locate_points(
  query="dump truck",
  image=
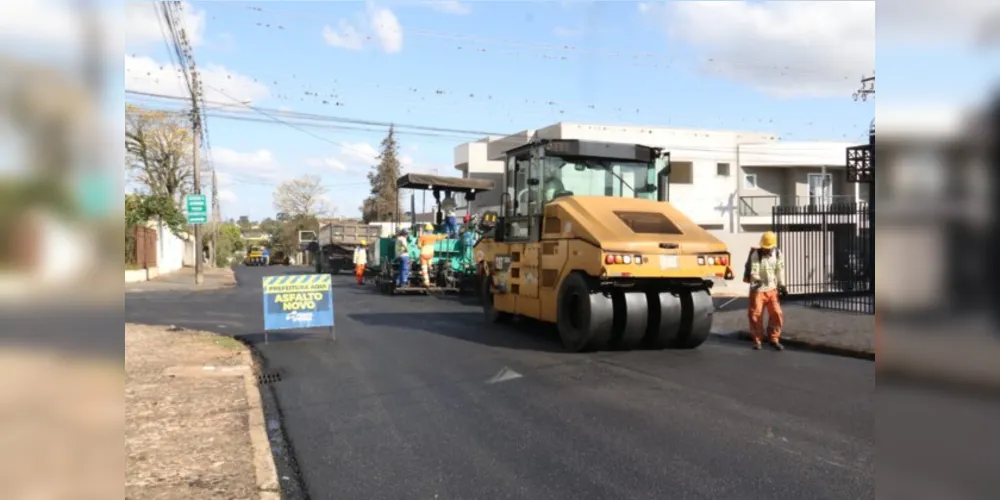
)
(587, 240)
(335, 244)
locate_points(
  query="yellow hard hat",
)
(364, 243)
(768, 240)
(429, 227)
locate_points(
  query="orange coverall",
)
(360, 261)
(426, 244)
(767, 274)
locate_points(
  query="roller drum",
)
(631, 317)
(665, 314)
(585, 318)
(696, 323)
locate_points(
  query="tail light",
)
(713, 260)
(617, 258)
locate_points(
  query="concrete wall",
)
(172, 251)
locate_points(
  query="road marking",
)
(505, 375)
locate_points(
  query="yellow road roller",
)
(586, 239)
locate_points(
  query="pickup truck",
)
(336, 243)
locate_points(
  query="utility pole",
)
(199, 261)
(215, 218)
(867, 88)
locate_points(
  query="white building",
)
(726, 181)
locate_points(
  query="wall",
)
(793, 154)
(172, 250)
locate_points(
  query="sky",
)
(788, 68)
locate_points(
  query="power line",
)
(330, 118)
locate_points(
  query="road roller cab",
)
(587, 240)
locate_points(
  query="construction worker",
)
(360, 261)
(426, 245)
(448, 206)
(767, 285)
(403, 254)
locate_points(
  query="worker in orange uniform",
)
(360, 261)
(767, 286)
(426, 245)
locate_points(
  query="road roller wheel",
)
(585, 319)
(631, 317)
(486, 297)
(696, 321)
(664, 324)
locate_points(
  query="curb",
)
(817, 347)
(263, 456)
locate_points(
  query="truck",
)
(335, 243)
(588, 241)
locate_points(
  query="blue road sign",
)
(297, 301)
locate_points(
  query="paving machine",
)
(453, 268)
(586, 239)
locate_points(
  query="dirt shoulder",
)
(190, 421)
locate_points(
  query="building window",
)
(681, 172)
(750, 181)
(722, 169)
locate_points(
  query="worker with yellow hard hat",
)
(426, 244)
(766, 276)
(360, 262)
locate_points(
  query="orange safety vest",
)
(426, 243)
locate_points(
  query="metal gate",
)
(829, 254)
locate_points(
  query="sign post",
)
(298, 301)
(197, 208)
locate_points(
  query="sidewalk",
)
(821, 330)
(183, 280)
(194, 427)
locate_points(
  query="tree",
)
(383, 204)
(140, 209)
(305, 196)
(244, 223)
(159, 155)
(230, 242)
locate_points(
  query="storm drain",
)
(268, 378)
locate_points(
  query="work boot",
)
(756, 346)
(777, 346)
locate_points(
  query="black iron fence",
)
(763, 206)
(829, 253)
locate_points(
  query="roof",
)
(425, 181)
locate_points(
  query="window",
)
(750, 181)
(722, 169)
(681, 172)
(596, 177)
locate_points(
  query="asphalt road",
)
(406, 403)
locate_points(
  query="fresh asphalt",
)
(419, 398)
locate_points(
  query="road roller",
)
(585, 238)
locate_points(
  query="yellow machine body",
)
(610, 271)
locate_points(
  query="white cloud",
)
(254, 166)
(564, 32)
(221, 85)
(359, 157)
(450, 7)
(387, 29)
(227, 196)
(143, 27)
(803, 48)
(345, 36)
(377, 24)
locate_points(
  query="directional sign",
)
(197, 208)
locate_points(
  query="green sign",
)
(197, 208)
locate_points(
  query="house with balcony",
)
(726, 181)
(809, 175)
